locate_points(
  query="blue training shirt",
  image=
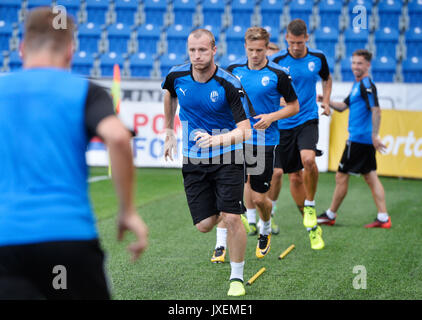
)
(264, 87)
(362, 98)
(45, 125)
(214, 107)
(305, 73)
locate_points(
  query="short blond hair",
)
(197, 33)
(257, 33)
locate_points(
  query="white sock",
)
(237, 270)
(273, 208)
(309, 203)
(382, 216)
(265, 227)
(251, 215)
(221, 238)
(330, 214)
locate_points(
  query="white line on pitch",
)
(98, 178)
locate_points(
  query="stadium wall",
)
(142, 111)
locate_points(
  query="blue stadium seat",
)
(386, 41)
(82, 63)
(412, 69)
(184, 11)
(107, 62)
(118, 37)
(9, 10)
(141, 65)
(6, 29)
(274, 32)
(329, 13)
(15, 61)
(326, 39)
(346, 69)
(389, 12)
(89, 35)
(169, 60)
(241, 11)
(271, 11)
(301, 9)
(415, 13)
(38, 3)
(235, 40)
(155, 11)
(96, 11)
(72, 7)
(414, 42)
(125, 11)
(176, 38)
(148, 37)
(227, 60)
(384, 69)
(361, 7)
(355, 39)
(212, 11)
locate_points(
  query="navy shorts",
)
(260, 169)
(358, 158)
(214, 188)
(53, 270)
(292, 141)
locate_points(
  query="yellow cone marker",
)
(285, 253)
(251, 280)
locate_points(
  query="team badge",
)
(214, 96)
(311, 66)
(265, 81)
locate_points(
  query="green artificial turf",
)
(177, 263)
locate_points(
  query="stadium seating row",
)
(144, 35)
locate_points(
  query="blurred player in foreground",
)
(47, 116)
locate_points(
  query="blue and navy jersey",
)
(305, 73)
(361, 101)
(213, 107)
(264, 88)
(46, 119)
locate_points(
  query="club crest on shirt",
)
(265, 81)
(214, 96)
(311, 66)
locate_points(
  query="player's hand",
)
(204, 140)
(131, 221)
(378, 145)
(170, 144)
(327, 110)
(265, 121)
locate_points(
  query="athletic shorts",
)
(213, 188)
(358, 158)
(53, 270)
(259, 169)
(292, 141)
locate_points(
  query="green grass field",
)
(177, 263)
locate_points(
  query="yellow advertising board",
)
(401, 132)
